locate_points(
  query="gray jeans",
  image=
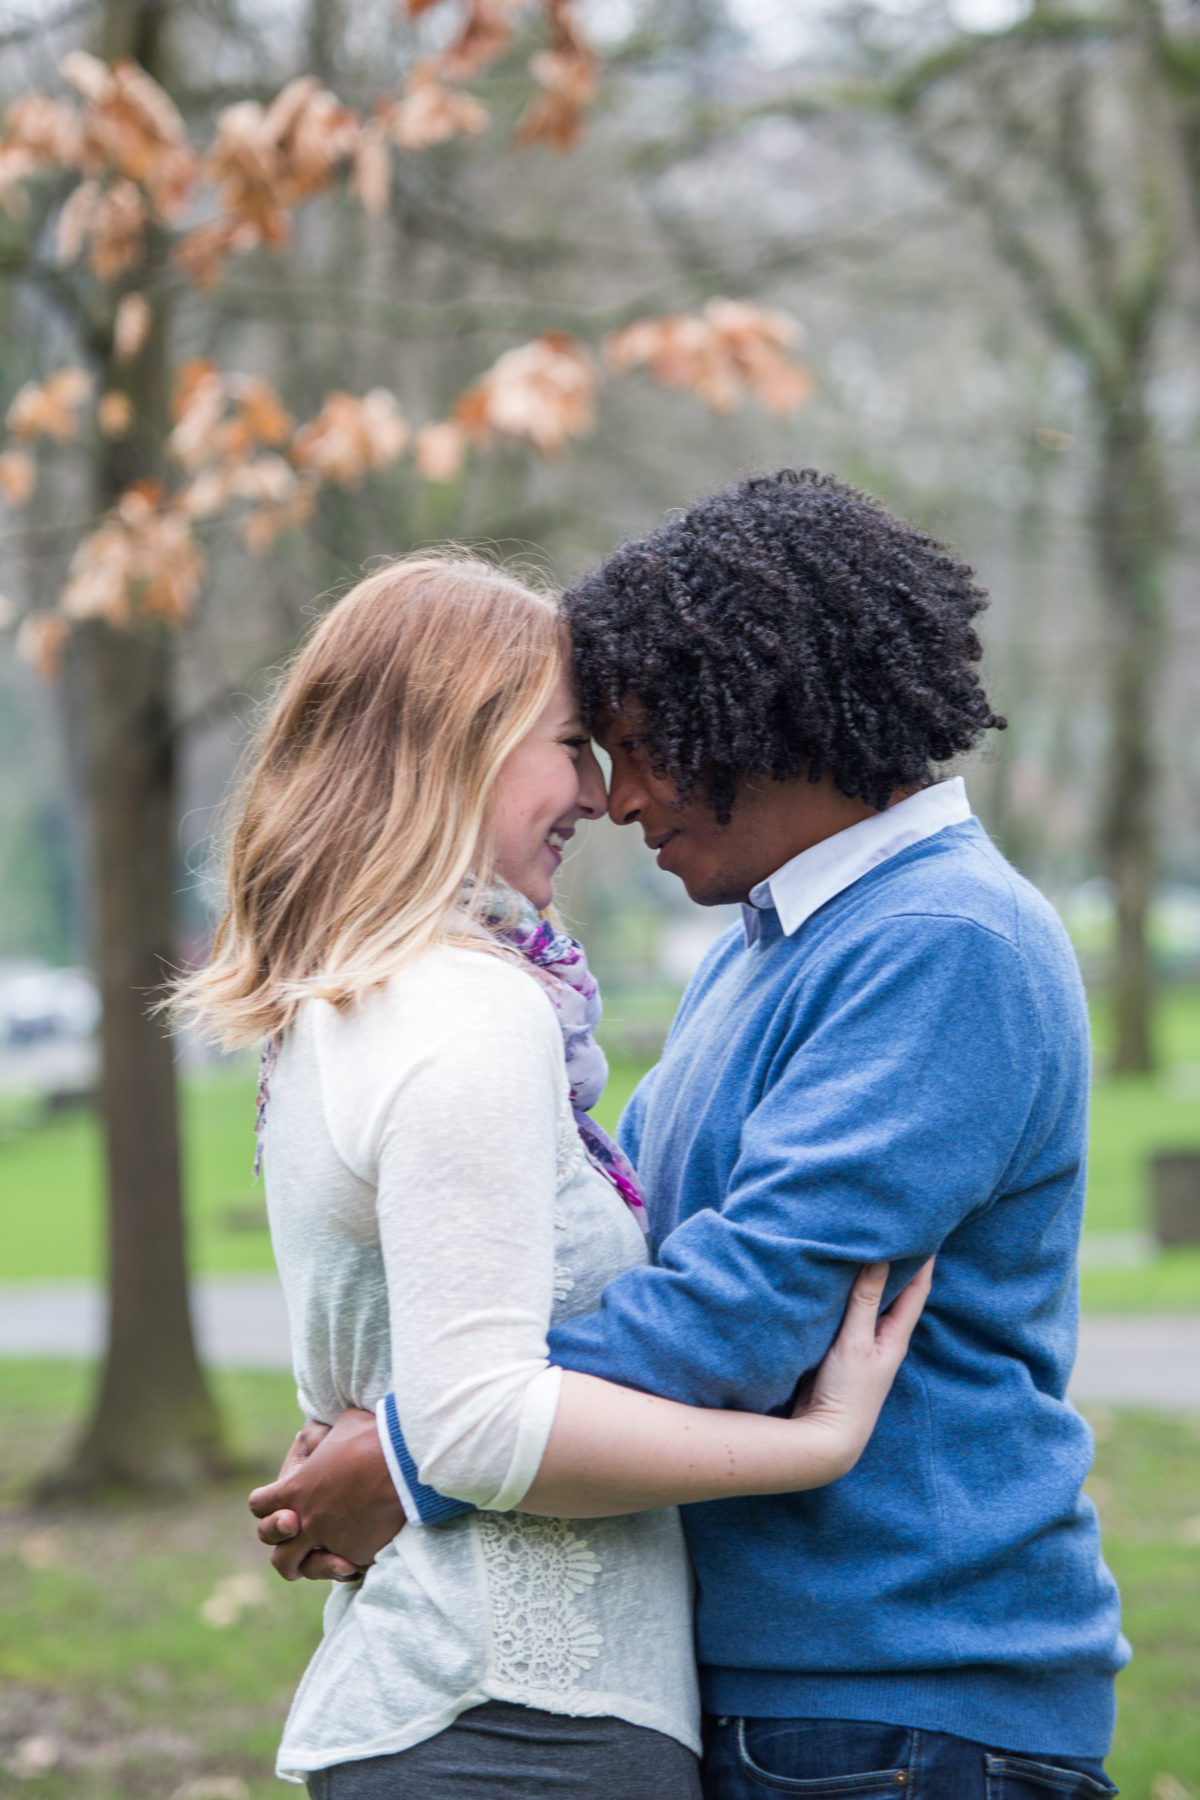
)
(503, 1752)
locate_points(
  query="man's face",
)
(771, 821)
(716, 863)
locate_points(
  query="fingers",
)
(324, 1565)
(264, 1500)
(896, 1328)
(287, 1559)
(862, 1308)
(278, 1527)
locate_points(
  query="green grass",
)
(51, 1178)
(103, 1646)
(104, 1649)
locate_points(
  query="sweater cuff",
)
(422, 1505)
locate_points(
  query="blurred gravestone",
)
(1175, 1196)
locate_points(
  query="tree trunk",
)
(154, 1422)
(1130, 533)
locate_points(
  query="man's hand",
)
(333, 1506)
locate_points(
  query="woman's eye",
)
(576, 745)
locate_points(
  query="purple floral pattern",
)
(559, 962)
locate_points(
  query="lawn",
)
(50, 1175)
(147, 1654)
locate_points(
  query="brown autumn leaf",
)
(440, 449)
(130, 127)
(350, 438)
(730, 348)
(112, 220)
(50, 408)
(566, 70)
(264, 161)
(142, 559)
(40, 639)
(373, 169)
(45, 127)
(18, 477)
(431, 113)
(130, 326)
(114, 414)
(542, 392)
(486, 33)
(263, 525)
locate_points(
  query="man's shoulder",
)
(958, 878)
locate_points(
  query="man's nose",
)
(626, 799)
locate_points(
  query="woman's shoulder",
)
(447, 992)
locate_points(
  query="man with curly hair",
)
(886, 1060)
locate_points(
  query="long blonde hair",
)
(364, 804)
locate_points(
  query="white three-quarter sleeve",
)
(452, 1113)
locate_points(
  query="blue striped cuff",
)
(422, 1505)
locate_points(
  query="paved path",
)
(1125, 1359)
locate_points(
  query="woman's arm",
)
(612, 1450)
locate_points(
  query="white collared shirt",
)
(816, 875)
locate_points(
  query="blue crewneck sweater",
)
(905, 1074)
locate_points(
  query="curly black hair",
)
(786, 627)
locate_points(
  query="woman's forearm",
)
(613, 1450)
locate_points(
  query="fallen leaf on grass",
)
(33, 1756)
(1165, 1787)
(231, 1597)
(40, 1549)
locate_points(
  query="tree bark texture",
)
(1129, 528)
(154, 1421)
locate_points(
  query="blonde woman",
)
(438, 1196)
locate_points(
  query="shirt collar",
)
(805, 883)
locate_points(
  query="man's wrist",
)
(421, 1504)
(385, 1411)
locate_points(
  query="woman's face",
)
(546, 784)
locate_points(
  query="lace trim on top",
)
(535, 1568)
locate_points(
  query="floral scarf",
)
(559, 963)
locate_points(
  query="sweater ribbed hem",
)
(1029, 1712)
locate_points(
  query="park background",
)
(352, 278)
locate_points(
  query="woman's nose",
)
(593, 795)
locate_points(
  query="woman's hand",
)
(855, 1378)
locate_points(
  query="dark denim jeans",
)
(841, 1759)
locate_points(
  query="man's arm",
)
(888, 1123)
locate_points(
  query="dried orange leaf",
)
(48, 409)
(114, 414)
(373, 169)
(41, 637)
(542, 392)
(18, 477)
(731, 348)
(431, 113)
(130, 326)
(440, 450)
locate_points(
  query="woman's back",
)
(431, 1208)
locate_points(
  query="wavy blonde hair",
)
(364, 803)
